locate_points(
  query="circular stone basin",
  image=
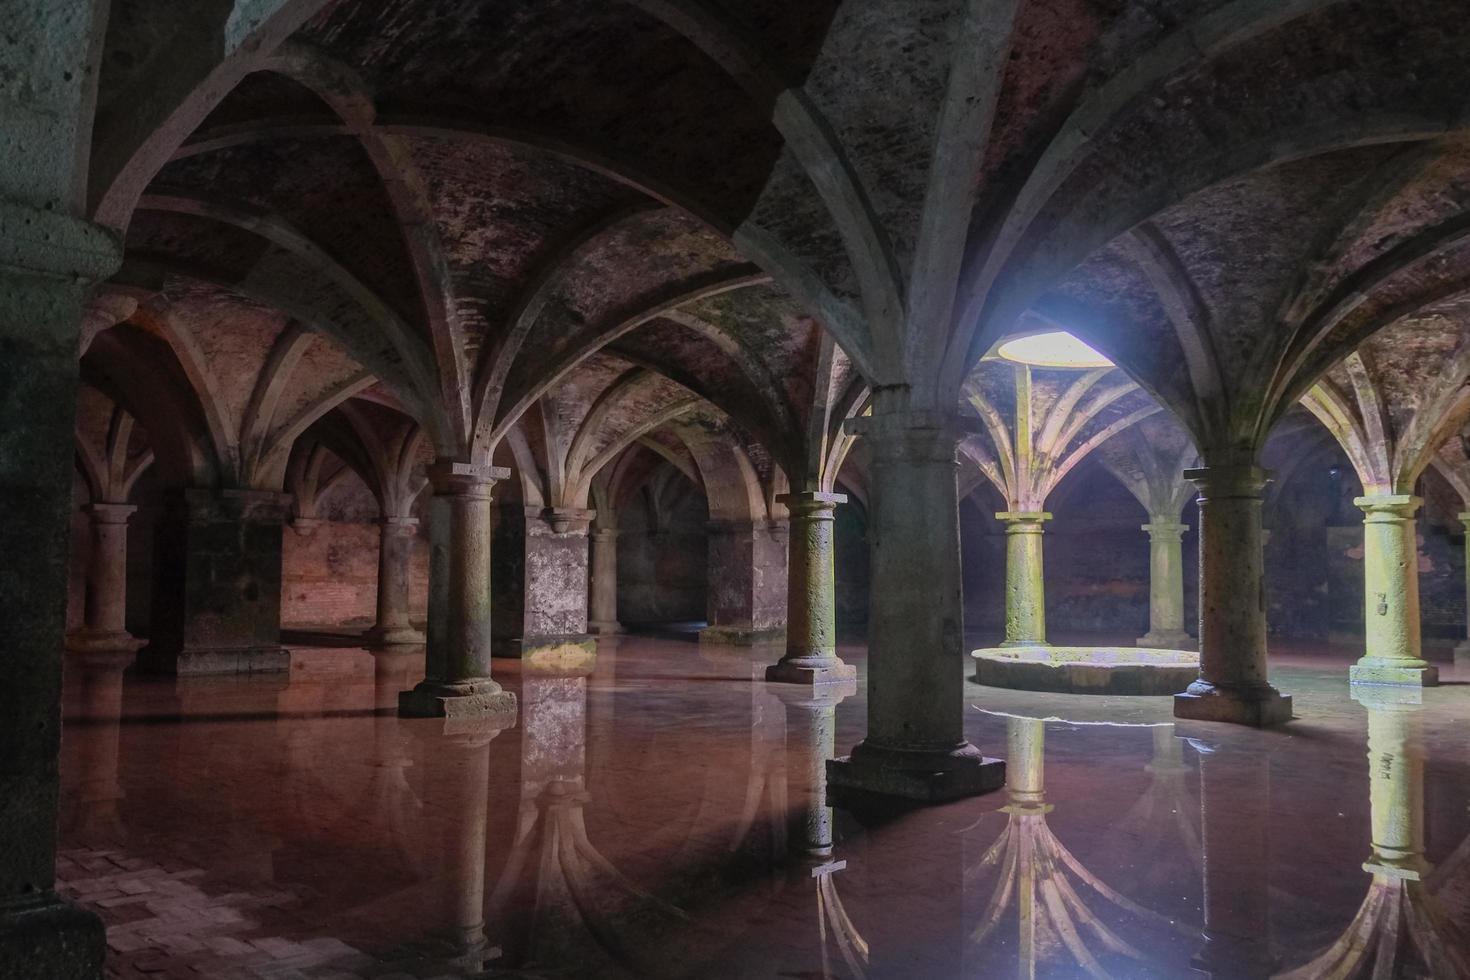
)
(1087, 670)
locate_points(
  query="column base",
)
(1403, 673)
(97, 641)
(227, 660)
(50, 937)
(1167, 640)
(741, 636)
(469, 700)
(610, 628)
(395, 636)
(936, 776)
(1024, 643)
(1258, 707)
(826, 670)
(570, 653)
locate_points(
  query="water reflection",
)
(1402, 928)
(1064, 913)
(689, 835)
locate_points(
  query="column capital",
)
(806, 502)
(398, 525)
(569, 519)
(450, 478)
(605, 534)
(109, 512)
(1164, 528)
(1023, 521)
(55, 245)
(1464, 518)
(1232, 480)
(1388, 507)
(913, 436)
(306, 525)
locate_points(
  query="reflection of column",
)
(811, 738)
(915, 746)
(1391, 594)
(95, 790)
(604, 583)
(1402, 929)
(457, 680)
(1235, 794)
(1232, 685)
(811, 594)
(1025, 579)
(1166, 586)
(1052, 894)
(1462, 649)
(395, 565)
(106, 605)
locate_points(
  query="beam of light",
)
(1057, 349)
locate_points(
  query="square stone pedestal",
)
(1259, 709)
(49, 937)
(1366, 671)
(549, 654)
(1167, 640)
(201, 662)
(958, 779)
(741, 636)
(433, 700)
(785, 672)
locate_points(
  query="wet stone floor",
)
(651, 819)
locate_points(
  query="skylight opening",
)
(1054, 349)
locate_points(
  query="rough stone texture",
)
(330, 576)
(539, 587)
(747, 581)
(217, 605)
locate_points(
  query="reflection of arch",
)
(1041, 877)
(1402, 928)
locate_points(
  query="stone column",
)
(811, 594)
(811, 741)
(915, 747)
(395, 565)
(1392, 646)
(457, 682)
(747, 582)
(1233, 684)
(217, 601)
(1025, 580)
(1166, 587)
(104, 624)
(603, 586)
(47, 260)
(540, 586)
(1462, 649)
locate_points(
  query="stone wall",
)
(330, 575)
(662, 572)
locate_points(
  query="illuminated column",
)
(915, 746)
(395, 564)
(1462, 649)
(604, 582)
(1232, 685)
(1166, 587)
(106, 605)
(1391, 595)
(811, 594)
(1025, 581)
(457, 657)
